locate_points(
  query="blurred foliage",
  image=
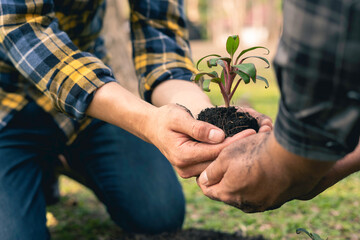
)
(212, 10)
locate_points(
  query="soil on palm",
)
(229, 119)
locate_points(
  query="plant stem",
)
(235, 87)
(224, 94)
(227, 78)
(227, 101)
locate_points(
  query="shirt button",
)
(330, 144)
(353, 95)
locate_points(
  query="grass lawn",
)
(333, 214)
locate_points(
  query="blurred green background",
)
(333, 214)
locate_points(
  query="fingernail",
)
(203, 179)
(216, 135)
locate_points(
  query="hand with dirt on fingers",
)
(256, 174)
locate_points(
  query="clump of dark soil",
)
(229, 119)
(192, 234)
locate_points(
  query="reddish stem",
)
(224, 94)
(227, 78)
(227, 102)
(235, 87)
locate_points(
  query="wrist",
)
(114, 104)
(181, 92)
(150, 124)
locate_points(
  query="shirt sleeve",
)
(40, 51)
(160, 43)
(317, 65)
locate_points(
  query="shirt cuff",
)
(306, 140)
(79, 98)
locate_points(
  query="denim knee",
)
(166, 215)
(131, 177)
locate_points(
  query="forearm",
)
(305, 175)
(182, 92)
(348, 165)
(114, 104)
(341, 169)
(298, 167)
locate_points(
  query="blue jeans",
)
(132, 178)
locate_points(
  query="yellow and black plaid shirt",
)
(51, 49)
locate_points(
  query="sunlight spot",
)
(51, 220)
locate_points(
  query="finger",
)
(220, 192)
(265, 128)
(199, 130)
(196, 152)
(208, 190)
(192, 171)
(265, 122)
(213, 173)
(203, 152)
(243, 134)
(262, 119)
(251, 111)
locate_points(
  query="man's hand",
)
(256, 174)
(188, 144)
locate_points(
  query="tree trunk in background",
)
(238, 18)
(116, 34)
(273, 23)
(192, 10)
(225, 18)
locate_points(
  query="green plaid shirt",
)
(51, 53)
(318, 69)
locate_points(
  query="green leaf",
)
(263, 79)
(216, 80)
(232, 44)
(244, 76)
(262, 58)
(222, 77)
(221, 63)
(247, 68)
(205, 85)
(215, 61)
(210, 55)
(250, 49)
(197, 77)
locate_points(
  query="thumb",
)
(199, 130)
(213, 173)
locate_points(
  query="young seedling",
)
(231, 68)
